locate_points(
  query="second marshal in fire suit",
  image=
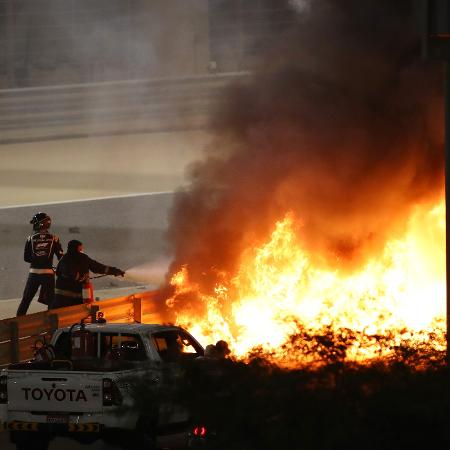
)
(40, 248)
(72, 271)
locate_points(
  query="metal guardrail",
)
(123, 107)
(18, 334)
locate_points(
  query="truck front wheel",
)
(29, 440)
(143, 438)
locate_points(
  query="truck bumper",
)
(52, 428)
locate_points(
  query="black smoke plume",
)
(341, 123)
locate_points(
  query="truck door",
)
(175, 345)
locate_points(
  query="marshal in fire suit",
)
(40, 248)
(72, 271)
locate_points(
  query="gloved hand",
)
(116, 272)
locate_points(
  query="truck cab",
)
(100, 343)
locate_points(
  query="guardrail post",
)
(15, 352)
(93, 312)
(137, 309)
(53, 321)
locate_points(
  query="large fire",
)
(397, 297)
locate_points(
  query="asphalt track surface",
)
(124, 232)
(108, 166)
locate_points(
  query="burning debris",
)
(320, 199)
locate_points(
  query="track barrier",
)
(18, 334)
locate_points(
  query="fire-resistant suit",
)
(40, 248)
(72, 271)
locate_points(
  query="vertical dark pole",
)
(53, 322)
(94, 309)
(435, 18)
(137, 309)
(447, 197)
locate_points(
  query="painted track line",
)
(89, 199)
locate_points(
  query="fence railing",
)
(18, 334)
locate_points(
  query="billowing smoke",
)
(300, 5)
(341, 124)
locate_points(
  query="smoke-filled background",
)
(98, 100)
(341, 124)
(57, 42)
(335, 118)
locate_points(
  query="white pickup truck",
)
(81, 390)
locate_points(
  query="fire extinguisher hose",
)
(98, 276)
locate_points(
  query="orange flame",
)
(400, 295)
